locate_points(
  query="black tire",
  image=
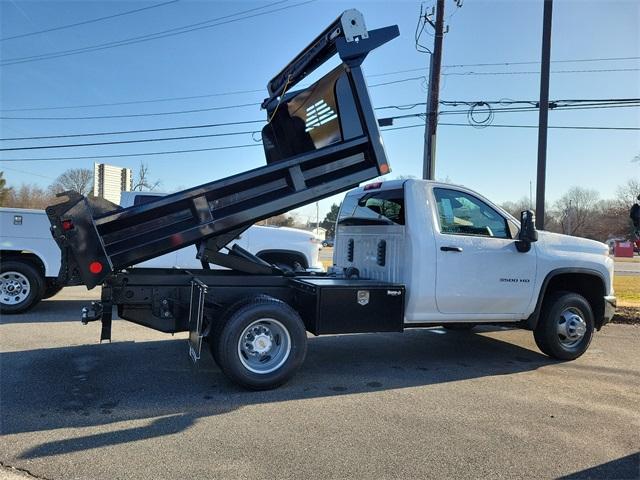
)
(34, 282)
(226, 350)
(546, 333)
(50, 290)
(221, 321)
(460, 327)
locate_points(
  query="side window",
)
(373, 208)
(463, 214)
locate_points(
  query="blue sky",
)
(240, 56)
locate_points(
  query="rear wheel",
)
(21, 286)
(565, 328)
(262, 344)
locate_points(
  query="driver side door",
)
(479, 269)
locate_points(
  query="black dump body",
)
(320, 141)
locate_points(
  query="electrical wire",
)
(156, 35)
(420, 30)
(568, 127)
(124, 132)
(585, 103)
(86, 22)
(134, 102)
(133, 115)
(89, 157)
(480, 123)
(420, 69)
(229, 147)
(242, 92)
(538, 73)
(121, 142)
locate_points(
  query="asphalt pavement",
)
(627, 268)
(424, 404)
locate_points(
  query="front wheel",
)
(565, 329)
(262, 344)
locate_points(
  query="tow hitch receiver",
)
(91, 313)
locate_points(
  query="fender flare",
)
(532, 320)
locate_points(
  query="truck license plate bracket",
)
(196, 317)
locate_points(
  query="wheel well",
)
(590, 286)
(288, 257)
(29, 257)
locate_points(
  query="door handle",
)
(451, 249)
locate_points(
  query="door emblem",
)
(363, 297)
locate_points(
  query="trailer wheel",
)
(21, 286)
(262, 344)
(565, 328)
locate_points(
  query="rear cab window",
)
(375, 207)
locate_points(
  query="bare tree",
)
(515, 208)
(4, 190)
(77, 179)
(628, 192)
(576, 209)
(142, 181)
(28, 196)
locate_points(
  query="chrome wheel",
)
(14, 288)
(571, 327)
(264, 346)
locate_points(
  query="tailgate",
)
(83, 259)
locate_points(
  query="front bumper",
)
(610, 303)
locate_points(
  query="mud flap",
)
(196, 314)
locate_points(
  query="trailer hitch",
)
(103, 311)
(91, 313)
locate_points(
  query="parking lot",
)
(424, 404)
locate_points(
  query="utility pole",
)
(544, 113)
(433, 97)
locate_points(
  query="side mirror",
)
(528, 232)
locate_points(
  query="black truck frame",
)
(319, 141)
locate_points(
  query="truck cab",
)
(463, 261)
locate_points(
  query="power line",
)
(229, 147)
(90, 157)
(591, 103)
(157, 35)
(242, 92)
(133, 102)
(85, 22)
(577, 60)
(537, 72)
(121, 142)
(145, 130)
(4, 167)
(133, 115)
(568, 127)
(421, 69)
